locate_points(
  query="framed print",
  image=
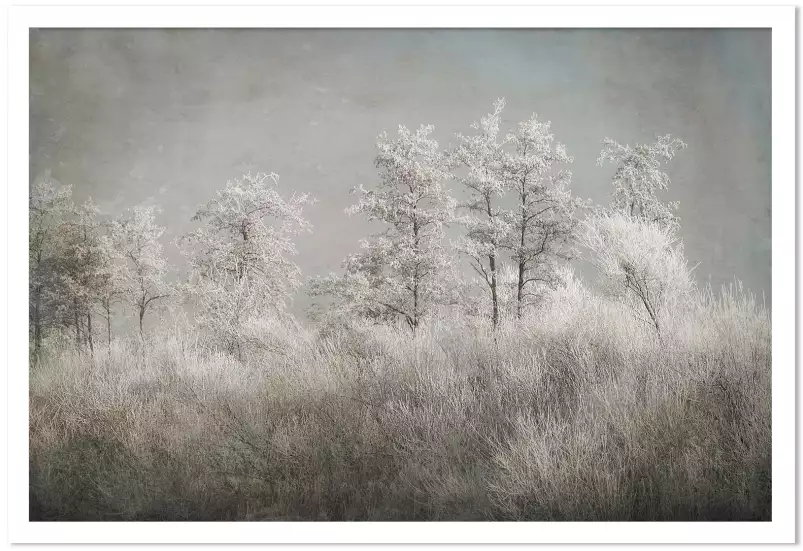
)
(401, 274)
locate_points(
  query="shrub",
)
(573, 414)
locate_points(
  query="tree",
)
(81, 265)
(638, 177)
(110, 281)
(487, 228)
(49, 204)
(542, 224)
(239, 259)
(405, 270)
(135, 236)
(641, 261)
(634, 241)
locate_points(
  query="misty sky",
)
(167, 116)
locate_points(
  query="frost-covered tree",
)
(542, 224)
(136, 238)
(480, 160)
(49, 204)
(82, 264)
(641, 261)
(240, 257)
(634, 242)
(405, 271)
(110, 281)
(639, 177)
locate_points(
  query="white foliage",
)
(542, 224)
(481, 157)
(80, 256)
(110, 279)
(49, 205)
(405, 270)
(641, 262)
(136, 237)
(240, 258)
(538, 231)
(639, 177)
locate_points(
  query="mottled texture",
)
(167, 116)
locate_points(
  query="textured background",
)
(167, 116)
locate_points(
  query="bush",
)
(576, 413)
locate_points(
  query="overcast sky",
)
(167, 116)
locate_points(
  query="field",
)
(576, 413)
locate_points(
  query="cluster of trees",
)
(519, 224)
(81, 267)
(408, 269)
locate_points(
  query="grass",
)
(577, 413)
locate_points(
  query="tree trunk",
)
(520, 290)
(416, 277)
(415, 304)
(492, 266)
(89, 332)
(520, 286)
(494, 297)
(109, 324)
(77, 323)
(37, 322)
(414, 323)
(141, 315)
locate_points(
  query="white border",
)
(782, 21)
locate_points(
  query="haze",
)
(167, 116)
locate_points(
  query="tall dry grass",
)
(577, 413)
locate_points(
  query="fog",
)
(167, 116)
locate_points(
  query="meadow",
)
(576, 412)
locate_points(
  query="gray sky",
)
(167, 116)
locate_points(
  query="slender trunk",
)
(520, 290)
(520, 286)
(643, 294)
(141, 315)
(653, 315)
(109, 324)
(89, 332)
(37, 321)
(241, 266)
(415, 275)
(494, 297)
(415, 304)
(492, 266)
(77, 323)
